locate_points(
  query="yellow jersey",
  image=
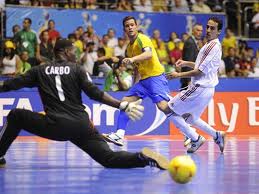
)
(147, 68)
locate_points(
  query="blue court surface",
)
(36, 166)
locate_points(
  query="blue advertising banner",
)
(103, 116)
(68, 20)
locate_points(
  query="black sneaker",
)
(155, 159)
(2, 162)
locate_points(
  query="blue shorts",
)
(155, 87)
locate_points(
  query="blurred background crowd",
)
(100, 54)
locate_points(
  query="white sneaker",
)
(195, 145)
(114, 138)
(220, 140)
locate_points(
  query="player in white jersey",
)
(189, 104)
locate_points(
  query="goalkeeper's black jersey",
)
(60, 84)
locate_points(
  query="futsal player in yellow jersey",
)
(153, 84)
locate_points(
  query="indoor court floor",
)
(38, 166)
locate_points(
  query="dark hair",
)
(218, 21)
(72, 35)
(128, 18)
(79, 27)
(197, 24)
(101, 50)
(28, 19)
(14, 26)
(51, 21)
(41, 34)
(13, 52)
(111, 29)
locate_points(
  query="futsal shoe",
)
(155, 159)
(220, 140)
(2, 162)
(195, 145)
(187, 141)
(114, 138)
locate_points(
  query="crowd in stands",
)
(230, 7)
(101, 55)
(130, 5)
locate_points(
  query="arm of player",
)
(147, 54)
(26, 80)
(192, 73)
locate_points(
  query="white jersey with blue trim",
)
(208, 61)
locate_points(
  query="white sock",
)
(202, 125)
(120, 132)
(180, 123)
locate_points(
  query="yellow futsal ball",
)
(182, 169)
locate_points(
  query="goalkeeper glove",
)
(133, 109)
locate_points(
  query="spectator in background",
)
(53, 33)
(159, 5)
(255, 23)
(25, 64)
(16, 28)
(113, 41)
(190, 51)
(90, 36)
(46, 48)
(231, 62)
(156, 38)
(162, 53)
(26, 40)
(184, 36)
(176, 53)
(215, 5)
(179, 7)
(170, 43)
(11, 62)
(103, 64)
(200, 7)
(228, 41)
(119, 50)
(78, 42)
(89, 57)
(91, 4)
(72, 38)
(25, 2)
(109, 51)
(80, 30)
(143, 6)
(118, 79)
(124, 5)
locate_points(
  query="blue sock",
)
(123, 120)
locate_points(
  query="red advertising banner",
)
(234, 112)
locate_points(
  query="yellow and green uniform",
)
(147, 68)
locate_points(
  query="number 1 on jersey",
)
(59, 88)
